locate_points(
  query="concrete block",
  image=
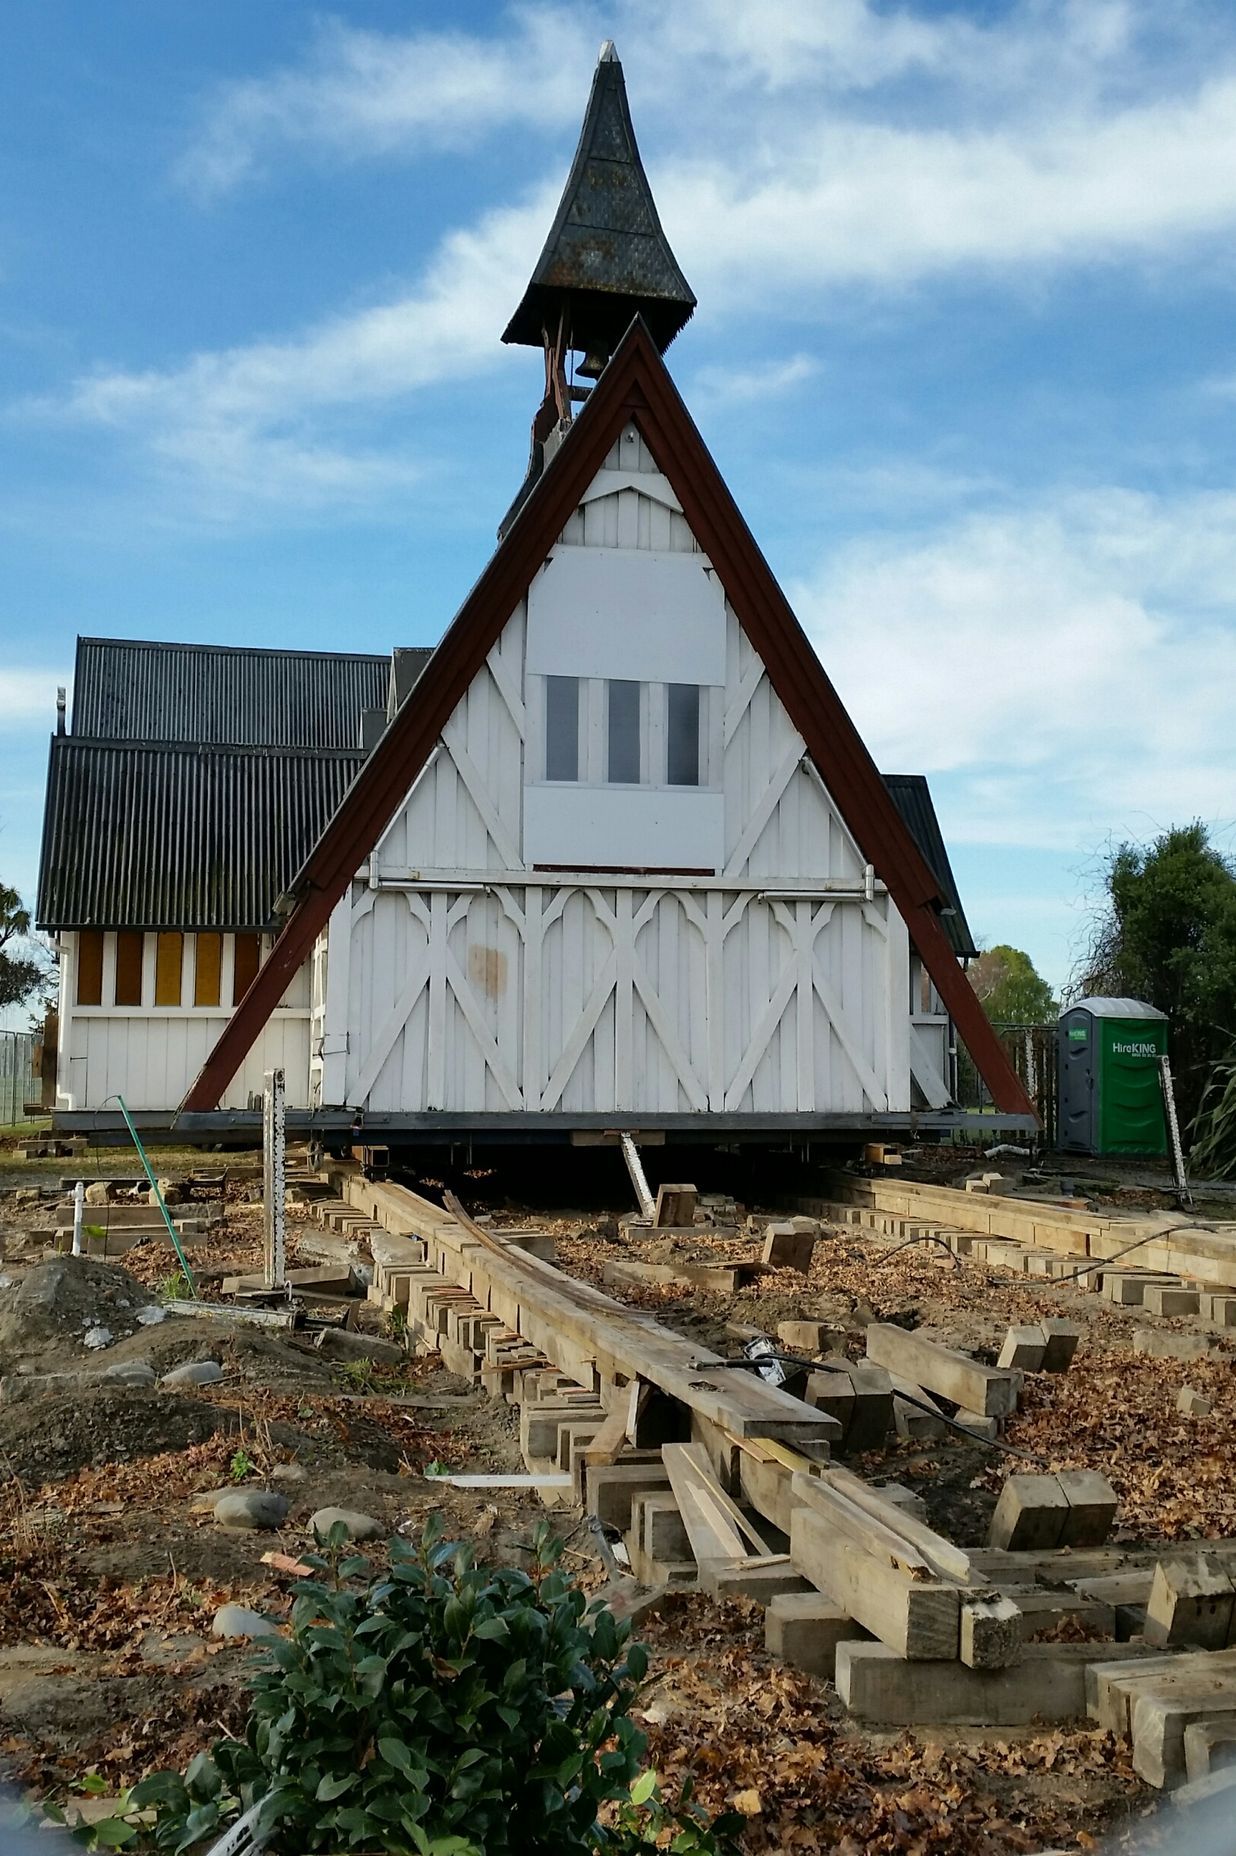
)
(1165, 1299)
(1156, 1344)
(1092, 1507)
(786, 1248)
(1031, 1513)
(1061, 1341)
(1192, 1404)
(1191, 1601)
(1023, 1349)
(804, 1629)
(1048, 1684)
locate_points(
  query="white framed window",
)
(615, 731)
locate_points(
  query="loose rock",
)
(240, 1621)
(97, 1337)
(251, 1509)
(193, 1373)
(131, 1372)
(359, 1526)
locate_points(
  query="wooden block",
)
(871, 1414)
(656, 1526)
(1092, 1507)
(1047, 1684)
(991, 1631)
(954, 1376)
(788, 1249)
(675, 1205)
(808, 1339)
(903, 1498)
(804, 1629)
(1192, 1404)
(610, 1490)
(831, 1392)
(1220, 1308)
(1061, 1339)
(1214, 1793)
(1031, 1513)
(1159, 1718)
(1210, 1746)
(1128, 1287)
(910, 1421)
(1158, 1345)
(1191, 1601)
(919, 1619)
(756, 1577)
(979, 1426)
(1042, 1609)
(1168, 1299)
(1023, 1349)
(1112, 1688)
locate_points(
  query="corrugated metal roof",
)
(135, 690)
(164, 835)
(912, 797)
(606, 255)
(407, 664)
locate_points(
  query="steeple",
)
(606, 259)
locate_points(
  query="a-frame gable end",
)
(634, 386)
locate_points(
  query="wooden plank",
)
(697, 1456)
(951, 1375)
(713, 1536)
(884, 1525)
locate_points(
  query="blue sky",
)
(965, 352)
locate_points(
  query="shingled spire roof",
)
(606, 259)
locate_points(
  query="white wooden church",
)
(611, 856)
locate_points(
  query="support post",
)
(639, 1179)
(274, 1187)
(79, 1213)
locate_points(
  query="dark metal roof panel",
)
(606, 253)
(912, 797)
(407, 663)
(137, 690)
(160, 835)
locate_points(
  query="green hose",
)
(154, 1187)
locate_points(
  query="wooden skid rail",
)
(493, 1309)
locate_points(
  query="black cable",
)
(928, 1237)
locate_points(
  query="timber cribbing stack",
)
(912, 1629)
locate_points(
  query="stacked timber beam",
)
(1026, 1234)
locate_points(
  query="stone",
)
(152, 1315)
(1023, 1349)
(131, 1372)
(1062, 1338)
(172, 1193)
(193, 1373)
(359, 1526)
(1192, 1404)
(289, 1472)
(786, 1248)
(343, 1344)
(251, 1509)
(99, 1192)
(97, 1337)
(240, 1621)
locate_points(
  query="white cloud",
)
(738, 386)
(367, 92)
(1052, 659)
(28, 696)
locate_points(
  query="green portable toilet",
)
(1111, 1099)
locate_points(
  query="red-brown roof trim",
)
(635, 386)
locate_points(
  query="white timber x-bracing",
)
(456, 977)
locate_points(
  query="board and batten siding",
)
(149, 1054)
(457, 977)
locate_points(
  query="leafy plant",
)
(173, 1288)
(240, 1466)
(437, 1709)
(1213, 1151)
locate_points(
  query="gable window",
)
(623, 759)
(682, 741)
(562, 728)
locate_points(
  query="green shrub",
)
(437, 1709)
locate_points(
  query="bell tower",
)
(606, 261)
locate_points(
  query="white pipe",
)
(79, 1214)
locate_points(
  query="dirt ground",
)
(110, 1579)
